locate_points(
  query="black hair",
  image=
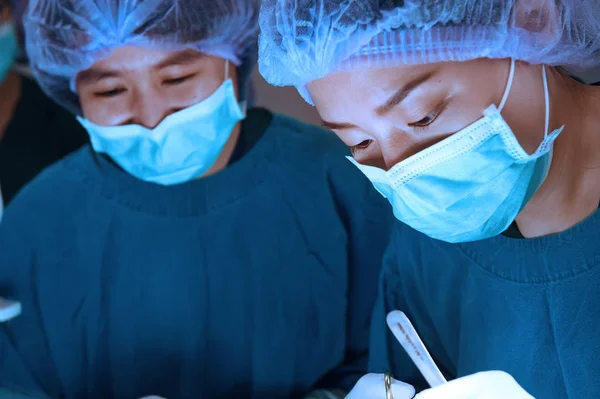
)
(5, 4)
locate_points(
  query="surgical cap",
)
(65, 37)
(305, 40)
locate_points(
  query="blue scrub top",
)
(256, 282)
(525, 306)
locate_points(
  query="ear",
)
(537, 16)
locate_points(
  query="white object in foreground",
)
(9, 309)
(406, 334)
(372, 386)
(485, 385)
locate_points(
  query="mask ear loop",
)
(547, 101)
(243, 104)
(511, 75)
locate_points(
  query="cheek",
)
(527, 126)
(192, 92)
(462, 114)
(104, 112)
(462, 110)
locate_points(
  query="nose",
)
(390, 157)
(387, 151)
(400, 146)
(151, 108)
(395, 148)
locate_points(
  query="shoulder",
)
(306, 146)
(59, 186)
(311, 146)
(304, 137)
(41, 219)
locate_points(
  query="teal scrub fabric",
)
(525, 306)
(256, 282)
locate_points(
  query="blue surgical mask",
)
(8, 49)
(472, 185)
(181, 148)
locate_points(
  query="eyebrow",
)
(402, 93)
(94, 75)
(185, 57)
(391, 102)
(336, 126)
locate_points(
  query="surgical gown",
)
(525, 306)
(256, 282)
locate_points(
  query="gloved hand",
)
(371, 386)
(486, 385)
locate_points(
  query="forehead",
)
(368, 85)
(132, 57)
(348, 89)
(371, 82)
(135, 61)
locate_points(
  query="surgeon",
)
(34, 131)
(458, 112)
(199, 248)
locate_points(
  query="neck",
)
(571, 192)
(225, 156)
(10, 88)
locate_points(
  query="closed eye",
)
(110, 93)
(176, 81)
(363, 145)
(429, 118)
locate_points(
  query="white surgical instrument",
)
(406, 334)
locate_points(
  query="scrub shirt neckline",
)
(193, 198)
(525, 265)
(529, 261)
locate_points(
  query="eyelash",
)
(431, 117)
(110, 93)
(363, 145)
(177, 81)
(170, 82)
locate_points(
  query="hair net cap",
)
(305, 40)
(65, 37)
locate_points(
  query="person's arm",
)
(368, 221)
(26, 364)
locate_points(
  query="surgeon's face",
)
(141, 86)
(387, 115)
